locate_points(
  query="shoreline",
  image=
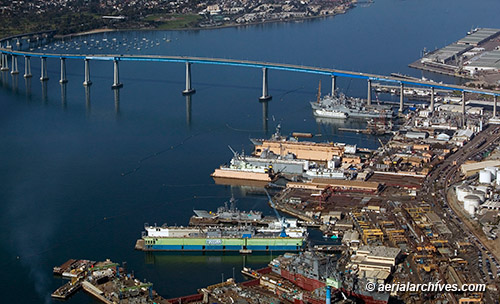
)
(229, 25)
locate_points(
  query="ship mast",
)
(319, 91)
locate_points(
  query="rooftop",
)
(487, 60)
(479, 36)
(379, 251)
(448, 52)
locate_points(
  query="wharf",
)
(440, 69)
(67, 290)
(105, 281)
(366, 131)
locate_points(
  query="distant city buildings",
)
(148, 14)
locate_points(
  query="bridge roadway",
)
(253, 64)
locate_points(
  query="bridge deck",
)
(255, 64)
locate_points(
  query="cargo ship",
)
(330, 105)
(311, 271)
(244, 239)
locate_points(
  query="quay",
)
(474, 57)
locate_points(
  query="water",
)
(80, 175)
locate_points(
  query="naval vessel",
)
(341, 106)
(312, 271)
(230, 213)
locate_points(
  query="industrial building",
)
(473, 168)
(487, 61)
(478, 36)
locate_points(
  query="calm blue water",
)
(81, 175)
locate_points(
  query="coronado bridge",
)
(10, 55)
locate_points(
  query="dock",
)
(66, 291)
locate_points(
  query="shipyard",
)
(377, 221)
(262, 152)
(345, 216)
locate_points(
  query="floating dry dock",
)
(106, 281)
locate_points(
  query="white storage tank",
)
(485, 177)
(483, 189)
(462, 192)
(479, 194)
(493, 171)
(471, 203)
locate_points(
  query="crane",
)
(280, 219)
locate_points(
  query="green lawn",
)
(168, 22)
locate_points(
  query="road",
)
(437, 190)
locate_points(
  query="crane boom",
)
(280, 219)
(272, 205)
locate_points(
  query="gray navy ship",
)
(341, 106)
(230, 213)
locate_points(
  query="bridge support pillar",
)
(87, 99)
(495, 106)
(334, 79)
(401, 97)
(431, 107)
(15, 69)
(188, 110)
(265, 114)
(189, 89)
(27, 67)
(5, 63)
(63, 94)
(87, 81)
(63, 71)
(116, 76)
(369, 93)
(43, 72)
(463, 103)
(116, 94)
(265, 95)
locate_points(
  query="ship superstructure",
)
(230, 213)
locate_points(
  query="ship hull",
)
(236, 174)
(366, 298)
(221, 244)
(302, 281)
(330, 114)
